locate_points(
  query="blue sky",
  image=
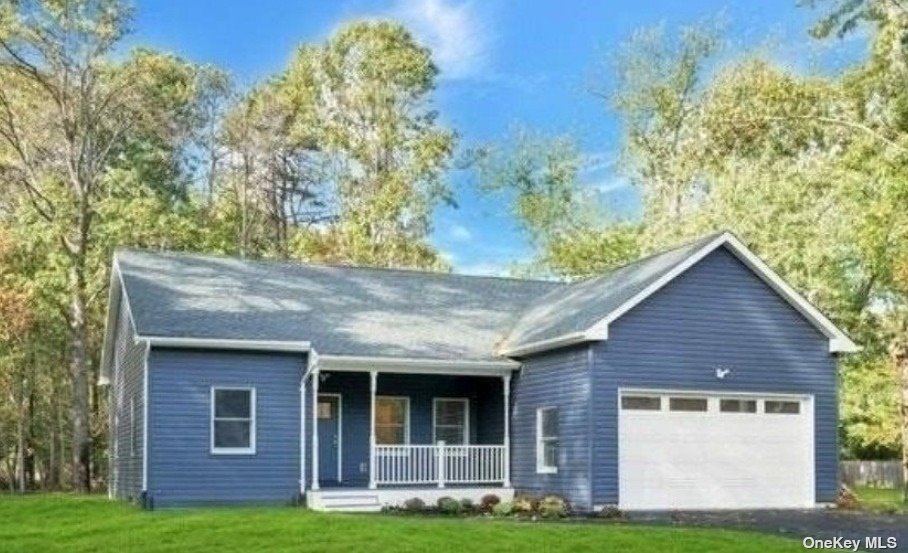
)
(504, 65)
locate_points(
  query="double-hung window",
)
(232, 420)
(392, 420)
(451, 420)
(547, 440)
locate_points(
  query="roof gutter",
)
(416, 365)
(564, 340)
(221, 343)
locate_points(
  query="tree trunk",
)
(78, 367)
(902, 367)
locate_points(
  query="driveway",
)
(818, 523)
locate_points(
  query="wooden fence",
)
(875, 474)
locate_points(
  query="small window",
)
(232, 420)
(547, 440)
(641, 403)
(324, 410)
(687, 404)
(738, 405)
(782, 407)
(392, 416)
(451, 420)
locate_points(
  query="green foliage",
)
(449, 506)
(488, 501)
(552, 506)
(72, 523)
(414, 505)
(503, 509)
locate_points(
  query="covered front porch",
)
(379, 435)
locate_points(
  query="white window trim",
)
(252, 422)
(466, 417)
(406, 400)
(541, 467)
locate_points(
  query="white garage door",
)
(703, 451)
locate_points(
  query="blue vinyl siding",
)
(182, 469)
(717, 314)
(557, 379)
(486, 415)
(127, 400)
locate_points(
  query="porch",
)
(379, 437)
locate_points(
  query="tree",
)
(362, 99)
(72, 123)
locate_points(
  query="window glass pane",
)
(449, 434)
(390, 411)
(782, 407)
(450, 412)
(389, 435)
(645, 403)
(324, 409)
(231, 433)
(550, 453)
(687, 404)
(232, 404)
(549, 422)
(738, 405)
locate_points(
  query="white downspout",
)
(145, 421)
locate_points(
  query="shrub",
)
(503, 508)
(524, 504)
(489, 501)
(847, 498)
(552, 506)
(611, 512)
(414, 505)
(467, 505)
(448, 505)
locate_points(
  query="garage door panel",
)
(714, 460)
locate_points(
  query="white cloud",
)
(455, 32)
(460, 233)
(484, 269)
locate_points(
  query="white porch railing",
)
(439, 464)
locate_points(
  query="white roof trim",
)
(545, 345)
(223, 343)
(839, 342)
(416, 365)
(110, 323)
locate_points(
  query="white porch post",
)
(315, 374)
(373, 381)
(506, 381)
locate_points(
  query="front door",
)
(329, 437)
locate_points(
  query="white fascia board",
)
(549, 344)
(416, 365)
(839, 342)
(222, 343)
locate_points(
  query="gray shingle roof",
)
(371, 312)
(340, 310)
(575, 308)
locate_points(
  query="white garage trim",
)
(679, 460)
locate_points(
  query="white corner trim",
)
(223, 343)
(145, 420)
(416, 365)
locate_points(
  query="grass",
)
(50, 523)
(882, 500)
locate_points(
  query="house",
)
(694, 378)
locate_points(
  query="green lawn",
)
(48, 523)
(877, 499)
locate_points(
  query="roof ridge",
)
(300, 263)
(706, 238)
